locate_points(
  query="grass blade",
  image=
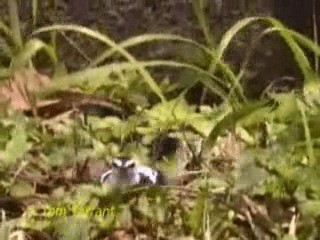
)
(15, 22)
(146, 38)
(309, 144)
(35, 4)
(105, 39)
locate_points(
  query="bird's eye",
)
(131, 165)
(114, 164)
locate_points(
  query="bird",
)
(125, 172)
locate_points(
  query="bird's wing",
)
(149, 176)
(105, 176)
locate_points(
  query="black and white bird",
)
(125, 172)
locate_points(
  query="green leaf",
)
(124, 219)
(247, 174)
(195, 218)
(174, 115)
(310, 208)
(287, 107)
(231, 119)
(5, 230)
(144, 206)
(17, 146)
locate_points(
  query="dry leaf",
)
(120, 235)
(20, 91)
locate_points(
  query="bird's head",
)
(123, 169)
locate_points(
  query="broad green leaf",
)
(232, 118)
(287, 108)
(311, 208)
(5, 230)
(17, 145)
(173, 115)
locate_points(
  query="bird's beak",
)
(123, 172)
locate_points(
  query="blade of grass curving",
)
(248, 56)
(96, 76)
(304, 41)
(35, 5)
(8, 33)
(230, 34)
(300, 57)
(211, 85)
(15, 22)
(146, 38)
(100, 74)
(223, 45)
(309, 75)
(31, 48)
(298, 54)
(315, 35)
(232, 118)
(202, 17)
(131, 42)
(309, 144)
(299, 38)
(199, 10)
(105, 39)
